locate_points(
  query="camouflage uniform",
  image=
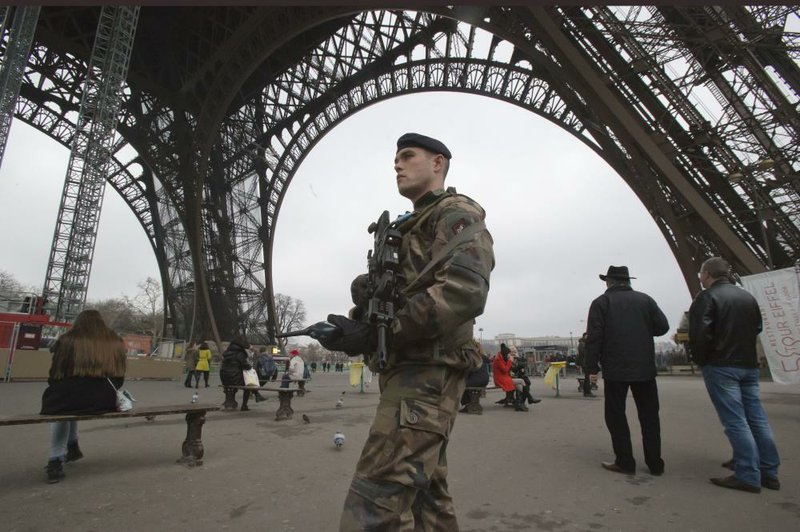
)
(400, 481)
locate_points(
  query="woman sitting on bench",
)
(501, 371)
(84, 359)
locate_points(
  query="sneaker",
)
(245, 409)
(55, 471)
(73, 452)
(590, 394)
(771, 483)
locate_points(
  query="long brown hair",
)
(89, 349)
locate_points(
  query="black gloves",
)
(356, 338)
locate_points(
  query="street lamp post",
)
(571, 344)
(480, 330)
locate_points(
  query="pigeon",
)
(306, 419)
(338, 439)
(339, 402)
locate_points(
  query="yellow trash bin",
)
(356, 373)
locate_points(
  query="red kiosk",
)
(23, 329)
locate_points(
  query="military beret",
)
(415, 140)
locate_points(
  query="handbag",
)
(250, 378)
(124, 399)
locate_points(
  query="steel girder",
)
(67, 278)
(49, 101)
(241, 130)
(18, 44)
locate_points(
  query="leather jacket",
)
(724, 321)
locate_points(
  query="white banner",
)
(778, 296)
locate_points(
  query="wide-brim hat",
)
(616, 272)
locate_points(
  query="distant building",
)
(137, 344)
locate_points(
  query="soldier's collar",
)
(431, 196)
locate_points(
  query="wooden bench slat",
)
(191, 448)
(254, 389)
(136, 412)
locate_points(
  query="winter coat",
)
(79, 390)
(81, 395)
(501, 371)
(620, 329)
(296, 368)
(191, 358)
(266, 367)
(580, 360)
(724, 321)
(203, 358)
(234, 361)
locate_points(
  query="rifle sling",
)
(466, 234)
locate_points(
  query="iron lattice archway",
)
(533, 80)
(627, 81)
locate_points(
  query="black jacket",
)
(724, 321)
(620, 329)
(234, 361)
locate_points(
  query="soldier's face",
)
(418, 171)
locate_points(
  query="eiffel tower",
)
(198, 117)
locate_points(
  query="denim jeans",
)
(61, 433)
(734, 393)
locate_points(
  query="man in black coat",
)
(620, 329)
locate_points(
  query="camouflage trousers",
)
(400, 481)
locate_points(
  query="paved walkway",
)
(508, 471)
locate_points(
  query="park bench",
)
(285, 410)
(191, 449)
(474, 395)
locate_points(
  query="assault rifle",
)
(383, 263)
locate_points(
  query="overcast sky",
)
(558, 213)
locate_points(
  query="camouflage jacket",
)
(434, 321)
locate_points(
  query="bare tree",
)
(118, 313)
(9, 283)
(13, 293)
(290, 314)
(313, 352)
(148, 303)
